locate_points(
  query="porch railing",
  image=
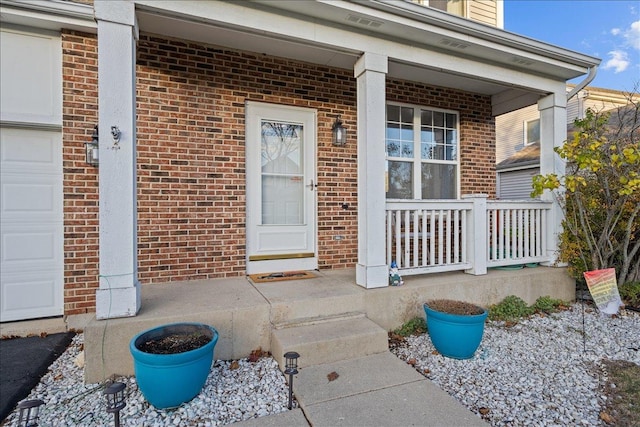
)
(470, 234)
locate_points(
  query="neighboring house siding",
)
(516, 184)
(510, 131)
(191, 156)
(484, 11)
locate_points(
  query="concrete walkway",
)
(377, 390)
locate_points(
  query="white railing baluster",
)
(432, 236)
(456, 236)
(432, 240)
(398, 226)
(463, 237)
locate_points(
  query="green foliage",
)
(546, 304)
(509, 309)
(630, 293)
(600, 192)
(415, 326)
(513, 308)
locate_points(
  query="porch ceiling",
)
(336, 33)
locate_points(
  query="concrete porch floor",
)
(245, 313)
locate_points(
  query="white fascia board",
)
(479, 30)
(520, 167)
(48, 14)
(287, 26)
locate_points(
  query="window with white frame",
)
(422, 153)
(531, 131)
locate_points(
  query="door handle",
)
(312, 185)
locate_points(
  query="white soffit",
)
(335, 33)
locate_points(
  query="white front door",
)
(281, 188)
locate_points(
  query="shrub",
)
(630, 293)
(546, 304)
(509, 309)
(415, 326)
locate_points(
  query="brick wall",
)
(80, 181)
(191, 154)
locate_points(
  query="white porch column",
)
(476, 234)
(371, 271)
(553, 133)
(119, 292)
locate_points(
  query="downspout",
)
(592, 75)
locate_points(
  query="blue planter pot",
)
(169, 380)
(453, 335)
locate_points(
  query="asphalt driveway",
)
(23, 361)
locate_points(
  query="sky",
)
(606, 29)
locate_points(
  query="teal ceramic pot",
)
(169, 380)
(453, 335)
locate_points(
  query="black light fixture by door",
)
(91, 148)
(339, 133)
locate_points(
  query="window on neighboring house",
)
(531, 131)
(455, 7)
(422, 153)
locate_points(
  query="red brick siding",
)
(191, 156)
(80, 181)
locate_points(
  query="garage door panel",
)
(39, 200)
(30, 295)
(22, 247)
(31, 83)
(30, 150)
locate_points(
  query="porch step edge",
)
(329, 342)
(306, 321)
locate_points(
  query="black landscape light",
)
(291, 368)
(114, 394)
(29, 412)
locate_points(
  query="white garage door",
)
(31, 247)
(31, 218)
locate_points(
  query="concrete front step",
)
(328, 342)
(307, 321)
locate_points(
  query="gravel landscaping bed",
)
(234, 391)
(534, 373)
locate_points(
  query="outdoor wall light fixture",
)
(115, 133)
(29, 412)
(291, 368)
(91, 148)
(114, 394)
(339, 133)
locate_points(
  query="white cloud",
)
(619, 61)
(633, 35)
(615, 31)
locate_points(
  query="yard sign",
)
(604, 290)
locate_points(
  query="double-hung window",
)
(422, 153)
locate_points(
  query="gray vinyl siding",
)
(510, 131)
(516, 185)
